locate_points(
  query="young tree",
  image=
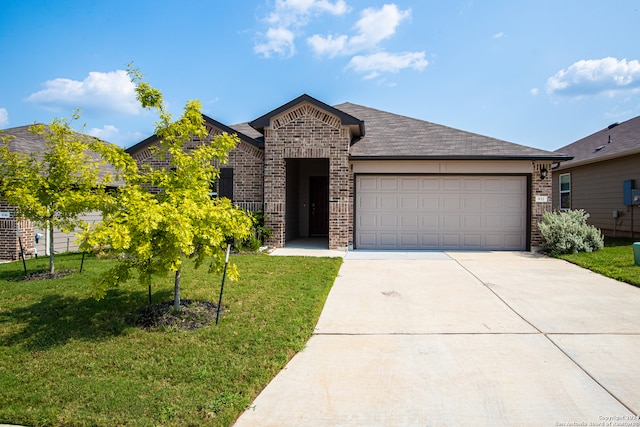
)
(55, 186)
(165, 215)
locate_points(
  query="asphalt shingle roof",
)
(613, 141)
(26, 141)
(392, 136)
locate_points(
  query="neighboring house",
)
(603, 164)
(10, 226)
(369, 179)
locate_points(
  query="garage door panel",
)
(472, 222)
(450, 203)
(410, 202)
(367, 202)
(430, 204)
(409, 221)
(472, 185)
(450, 222)
(367, 183)
(388, 221)
(409, 241)
(389, 240)
(429, 221)
(472, 241)
(451, 240)
(472, 203)
(514, 240)
(367, 221)
(387, 184)
(430, 184)
(410, 184)
(441, 212)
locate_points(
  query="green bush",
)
(567, 232)
(258, 234)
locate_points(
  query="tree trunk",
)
(51, 263)
(176, 291)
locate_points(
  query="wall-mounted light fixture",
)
(543, 172)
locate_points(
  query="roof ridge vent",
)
(612, 125)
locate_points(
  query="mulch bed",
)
(44, 274)
(192, 315)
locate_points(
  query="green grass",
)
(69, 360)
(615, 260)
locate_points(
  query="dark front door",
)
(319, 205)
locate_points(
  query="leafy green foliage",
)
(177, 219)
(567, 232)
(56, 185)
(258, 234)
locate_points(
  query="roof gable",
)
(357, 125)
(392, 136)
(616, 140)
(211, 122)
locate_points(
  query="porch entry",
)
(307, 201)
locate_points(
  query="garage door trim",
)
(527, 198)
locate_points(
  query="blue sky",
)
(542, 73)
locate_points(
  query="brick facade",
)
(9, 243)
(540, 188)
(246, 160)
(307, 132)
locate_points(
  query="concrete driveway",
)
(463, 338)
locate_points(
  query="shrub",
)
(568, 232)
(258, 235)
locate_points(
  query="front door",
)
(319, 205)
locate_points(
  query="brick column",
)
(540, 188)
(9, 244)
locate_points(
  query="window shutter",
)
(225, 184)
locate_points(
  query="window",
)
(223, 186)
(565, 191)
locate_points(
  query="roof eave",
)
(454, 157)
(598, 159)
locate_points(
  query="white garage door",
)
(441, 212)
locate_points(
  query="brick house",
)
(369, 179)
(601, 177)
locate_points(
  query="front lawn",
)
(69, 360)
(615, 260)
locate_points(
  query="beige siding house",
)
(594, 180)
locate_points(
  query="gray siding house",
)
(594, 180)
(368, 179)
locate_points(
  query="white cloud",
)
(327, 46)
(287, 18)
(534, 91)
(112, 134)
(594, 76)
(374, 26)
(111, 91)
(4, 117)
(384, 62)
(279, 41)
(377, 25)
(498, 35)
